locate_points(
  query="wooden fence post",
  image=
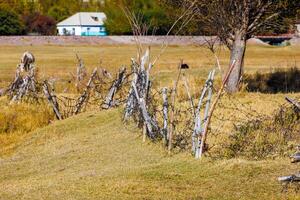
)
(85, 96)
(52, 100)
(165, 131)
(199, 123)
(109, 100)
(212, 109)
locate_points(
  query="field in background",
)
(60, 61)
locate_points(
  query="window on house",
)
(95, 18)
(65, 31)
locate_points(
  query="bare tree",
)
(234, 22)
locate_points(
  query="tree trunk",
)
(237, 55)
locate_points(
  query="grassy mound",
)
(93, 156)
(18, 120)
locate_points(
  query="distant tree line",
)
(19, 17)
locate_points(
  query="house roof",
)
(84, 19)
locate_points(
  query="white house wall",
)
(71, 30)
(81, 30)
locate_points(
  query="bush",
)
(10, 23)
(263, 137)
(279, 81)
(41, 24)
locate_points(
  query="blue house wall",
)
(93, 31)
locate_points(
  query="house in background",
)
(83, 24)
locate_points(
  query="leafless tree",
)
(234, 22)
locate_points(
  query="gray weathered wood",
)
(151, 124)
(85, 95)
(165, 130)
(212, 109)
(293, 102)
(131, 99)
(80, 72)
(206, 114)
(141, 81)
(291, 178)
(23, 85)
(51, 97)
(198, 121)
(115, 87)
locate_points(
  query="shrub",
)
(10, 23)
(279, 81)
(41, 24)
(263, 137)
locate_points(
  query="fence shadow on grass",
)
(280, 81)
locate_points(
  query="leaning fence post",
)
(81, 71)
(212, 109)
(198, 125)
(151, 124)
(52, 100)
(84, 97)
(165, 115)
(109, 100)
(206, 113)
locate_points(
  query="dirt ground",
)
(111, 40)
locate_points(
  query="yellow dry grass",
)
(95, 156)
(60, 61)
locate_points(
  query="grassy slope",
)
(93, 156)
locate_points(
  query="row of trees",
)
(40, 16)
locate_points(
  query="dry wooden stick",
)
(212, 109)
(165, 115)
(187, 88)
(293, 102)
(115, 87)
(173, 101)
(52, 100)
(85, 96)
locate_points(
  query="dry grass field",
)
(95, 156)
(60, 61)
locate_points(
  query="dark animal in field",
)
(27, 61)
(184, 66)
